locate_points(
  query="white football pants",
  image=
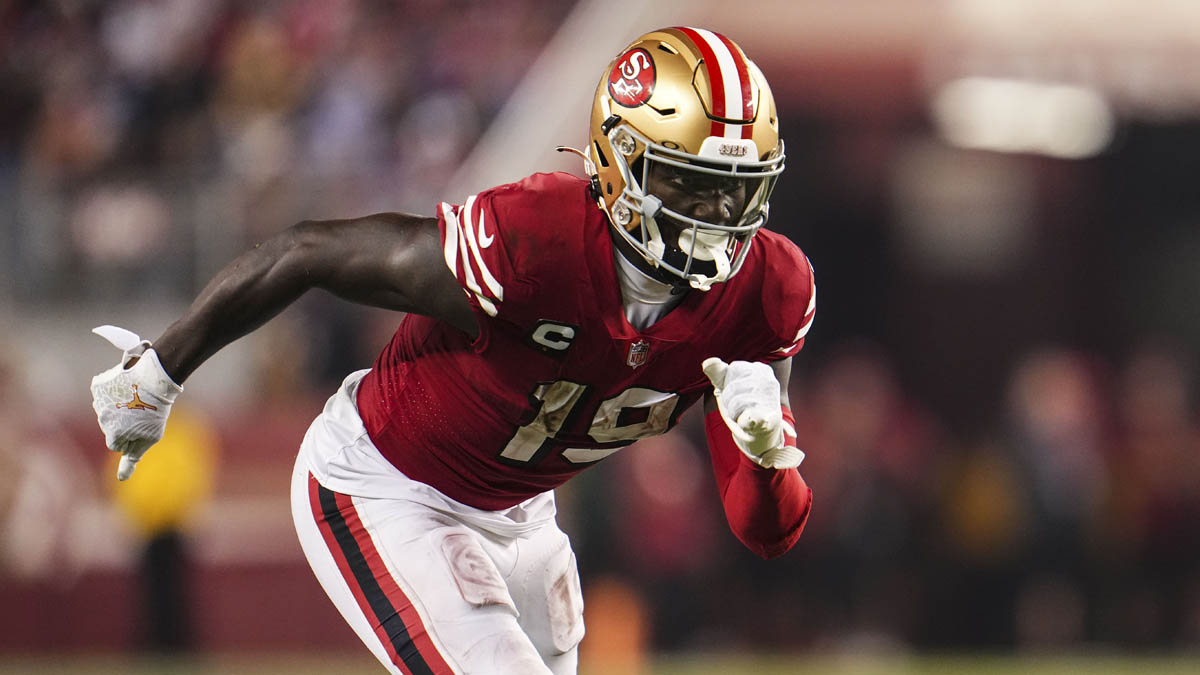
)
(430, 589)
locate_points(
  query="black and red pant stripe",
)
(367, 577)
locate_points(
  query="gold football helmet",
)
(689, 100)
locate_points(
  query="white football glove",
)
(748, 398)
(132, 404)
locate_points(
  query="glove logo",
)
(137, 403)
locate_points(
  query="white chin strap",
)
(710, 246)
(651, 205)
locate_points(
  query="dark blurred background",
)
(997, 399)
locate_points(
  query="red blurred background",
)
(997, 399)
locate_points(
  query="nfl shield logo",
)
(638, 352)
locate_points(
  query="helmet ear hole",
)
(600, 154)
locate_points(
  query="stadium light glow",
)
(1007, 115)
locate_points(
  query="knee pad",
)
(473, 571)
(564, 599)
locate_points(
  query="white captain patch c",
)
(474, 572)
(552, 336)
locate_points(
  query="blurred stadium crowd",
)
(1044, 495)
(1071, 524)
(151, 138)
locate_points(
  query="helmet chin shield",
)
(697, 251)
(698, 256)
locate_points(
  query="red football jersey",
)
(557, 378)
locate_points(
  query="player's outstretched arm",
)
(752, 443)
(387, 260)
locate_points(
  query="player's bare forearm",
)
(241, 297)
(387, 260)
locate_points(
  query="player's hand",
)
(748, 398)
(132, 403)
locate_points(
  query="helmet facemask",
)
(699, 252)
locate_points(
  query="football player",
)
(551, 322)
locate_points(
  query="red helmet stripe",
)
(729, 79)
(744, 77)
(715, 82)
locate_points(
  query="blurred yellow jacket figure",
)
(173, 485)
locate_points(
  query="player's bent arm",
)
(387, 260)
(766, 508)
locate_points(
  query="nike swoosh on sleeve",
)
(485, 240)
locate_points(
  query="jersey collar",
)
(679, 325)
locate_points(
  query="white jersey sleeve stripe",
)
(450, 246)
(804, 329)
(468, 275)
(455, 245)
(487, 305)
(812, 296)
(469, 229)
(468, 279)
(809, 314)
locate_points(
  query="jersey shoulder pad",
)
(789, 292)
(502, 241)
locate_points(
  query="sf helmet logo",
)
(631, 81)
